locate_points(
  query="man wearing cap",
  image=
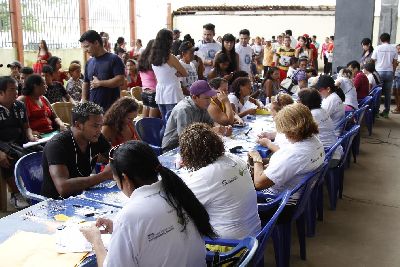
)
(15, 72)
(187, 55)
(191, 109)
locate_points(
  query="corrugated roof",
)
(194, 9)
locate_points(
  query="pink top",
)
(148, 80)
(324, 48)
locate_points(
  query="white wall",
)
(264, 26)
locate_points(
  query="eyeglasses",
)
(112, 150)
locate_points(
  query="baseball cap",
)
(14, 64)
(268, 40)
(306, 35)
(176, 31)
(202, 87)
(186, 45)
(325, 81)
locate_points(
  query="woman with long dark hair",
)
(149, 83)
(118, 124)
(163, 222)
(367, 47)
(220, 69)
(228, 48)
(304, 50)
(167, 70)
(42, 56)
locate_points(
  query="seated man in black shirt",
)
(14, 132)
(70, 156)
(55, 90)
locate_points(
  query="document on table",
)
(44, 139)
(25, 249)
(71, 240)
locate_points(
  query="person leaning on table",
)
(290, 163)
(163, 222)
(221, 181)
(70, 156)
(191, 109)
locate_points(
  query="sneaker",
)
(384, 114)
(18, 201)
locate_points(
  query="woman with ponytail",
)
(221, 181)
(332, 99)
(163, 222)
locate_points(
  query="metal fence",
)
(5, 25)
(55, 21)
(111, 17)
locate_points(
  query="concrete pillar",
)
(353, 21)
(388, 18)
(16, 28)
(132, 21)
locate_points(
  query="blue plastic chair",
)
(28, 175)
(376, 93)
(149, 130)
(278, 202)
(241, 255)
(345, 123)
(358, 118)
(369, 113)
(282, 232)
(335, 176)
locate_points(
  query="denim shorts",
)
(149, 99)
(396, 83)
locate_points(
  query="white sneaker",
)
(18, 201)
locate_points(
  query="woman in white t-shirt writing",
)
(332, 99)
(312, 99)
(265, 138)
(241, 88)
(345, 83)
(162, 223)
(221, 181)
(289, 164)
(167, 69)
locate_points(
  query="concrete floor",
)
(364, 231)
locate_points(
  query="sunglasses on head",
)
(112, 151)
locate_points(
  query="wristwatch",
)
(257, 161)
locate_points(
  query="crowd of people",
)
(200, 90)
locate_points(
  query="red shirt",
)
(361, 84)
(131, 83)
(40, 118)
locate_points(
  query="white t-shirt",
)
(245, 53)
(289, 164)
(207, 51)
(146, 232)
(333, 105)
(168, 89)
(384, 55)
(371, 79)
(281, 140)
(349, 91)
(326, 129)
(293, 42)
(257, 49)
(226, 190)
(192, 74)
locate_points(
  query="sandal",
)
(396, 111)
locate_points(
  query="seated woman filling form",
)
(163, 222)
(221, 181)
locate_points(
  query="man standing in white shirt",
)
(245, 51)
(385, 58)
(208, 47)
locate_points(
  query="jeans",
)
(165, 109)
(387, 81)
